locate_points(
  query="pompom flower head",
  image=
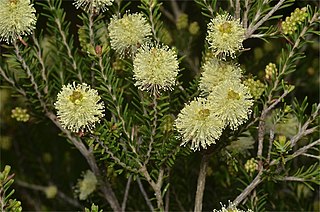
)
(128, 33)
(198, 123)
(78, 107)
(155, 68)
(95, 5)
(232, 102)
(17, 18)
(225, 35)
(215, 72)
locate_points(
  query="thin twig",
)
(247, 7)
(126, 193)
(9, 80)
(254, 27)
(60, 194)
(41, 61)
(175, 8)
(30, 75)
(145, 195)
(271, 138)
(257, 180)
(105, 187)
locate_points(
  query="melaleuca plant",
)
(180, 105)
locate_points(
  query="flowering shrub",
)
(161, 105)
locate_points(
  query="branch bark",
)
(201, 182)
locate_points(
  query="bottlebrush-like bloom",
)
(95, 5)
(128, 33)
(155, 68)
(225, 35)
(87, 185)
(78, 107)
(231, 102)
(198, 123)
(215, 72)
(17, 18)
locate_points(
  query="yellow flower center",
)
(233, 95)
(203, 114)
(225, 28)
(76, 97)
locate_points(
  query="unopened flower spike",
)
(128, 33)
(225, 35)
(95, 5)
(155, 68)
(197, 123)
(232, 103)
(78, 107)
(17, 18)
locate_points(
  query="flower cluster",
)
(198, 123)
(87, 185)
(155, 68)
(231, 208)
(17, 18)
(256, 87)
(78, 107)
(20, 114)
(251, 166)
(95, 5)
(227, 102)
(296, 18)
(215, 71)
(270, 70)
(225, 35)
(232, 103)
(128, 33)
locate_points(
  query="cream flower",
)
(232, 102)
(215, 72)
(198, 123)
(87, 185)
(128, 33)
(155, 68)
(78, 107)
(225, 35)
(231, 208)
(17, 18)
(96, 5)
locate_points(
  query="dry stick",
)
(201, 182)
(105, 185)
(145, 195)
(126, 193)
